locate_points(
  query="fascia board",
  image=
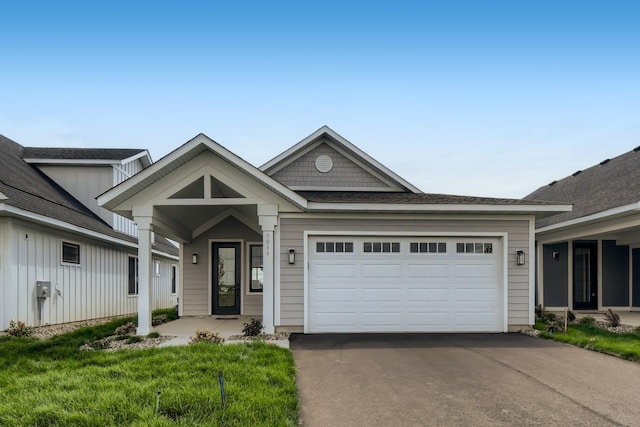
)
(61, 225)
(415, 207)
(144, 156)
(36, 161)
(64, 225)
(105, 198)
(589, 218)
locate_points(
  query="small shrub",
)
(134, 339)
(253, 328)
(153, 335)
(571, 316)
(205, 335)
(611, 319)
(587, 321)
(539, 311)
(636, 330)
(159, 319)
(19, 329)
(99, 344)
(126, 329)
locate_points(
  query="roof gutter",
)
(621, 210)
(419, 207)
(75, 229)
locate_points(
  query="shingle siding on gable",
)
(345, 173)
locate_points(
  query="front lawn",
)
(52, 383)
(623, 345)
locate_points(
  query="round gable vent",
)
(324, 163)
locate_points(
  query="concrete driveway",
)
(460, 380)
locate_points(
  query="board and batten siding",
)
(85, 183)
(196, 282)
(292, 236)
(97, 288)
(120, 174)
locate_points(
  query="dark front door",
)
(226, 278)
(585, 275)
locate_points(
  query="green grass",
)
(625, 346)
(51, 383)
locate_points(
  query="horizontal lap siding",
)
(97, 288)
(292, 235)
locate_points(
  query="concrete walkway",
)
(184, 329)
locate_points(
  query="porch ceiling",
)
(181, 222)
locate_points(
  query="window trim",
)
(137, 276)
(174, 280)
(70, 263)
(250, 288)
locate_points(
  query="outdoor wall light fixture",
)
(519, 257)
(292, 256)
(555, 255)
(194, 258)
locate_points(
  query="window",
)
(474, 248)
(133, 275)
(341, 247)
(70, 253)
(255, 267)
(381, 247)
(428, 247)
(174, 279)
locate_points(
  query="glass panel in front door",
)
(226, 277)
(583, 275)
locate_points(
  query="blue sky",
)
(492, 98)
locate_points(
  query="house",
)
(62, 257)
(324, 238)
(589, 258)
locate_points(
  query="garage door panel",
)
(376, 271)
(428, 271)
(382, 319)
(335, 295)
(382, 295)
(335, 271)
(475, 271)
(475, 295)
(427, 295)
(405, 291)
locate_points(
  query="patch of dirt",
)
(44, 332)
(117, 342)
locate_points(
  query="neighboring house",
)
(54, 238)
(324, 238)
(589, 258)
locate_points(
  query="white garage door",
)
(404, 284)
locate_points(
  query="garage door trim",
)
(500, 235)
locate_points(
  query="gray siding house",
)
(589, 258)
(62, 257)
(323, 238)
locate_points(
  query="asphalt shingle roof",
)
(409, 198)
(29, 189)
(607, 185)
(79, 153)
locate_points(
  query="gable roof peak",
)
(299, 148)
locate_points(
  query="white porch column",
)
(145, 271)
(268, 218)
